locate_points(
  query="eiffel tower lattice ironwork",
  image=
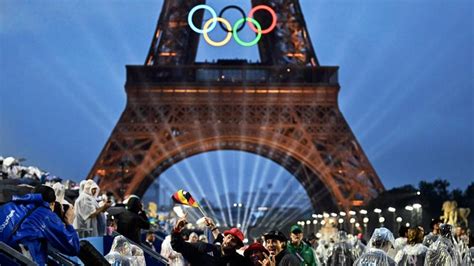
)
(284, 108)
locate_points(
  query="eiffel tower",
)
(283, 108)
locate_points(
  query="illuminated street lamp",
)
(399, 219)
(378, 211)
(315, 226)
(333, 214)
(409, 208)
(341, 221)
(392, 210)
(326, 215)
(418, 212)
(342, 214)
(365, 221)
(364, 212)
(381, 220)
(407, 224)
(352, 221)
(352, 213)
(314, 215)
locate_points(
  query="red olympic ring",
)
(270, 10)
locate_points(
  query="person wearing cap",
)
(302, 250)
(256, 253)
(279, 255)
(222, 252)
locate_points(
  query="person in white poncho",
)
(443, 251)
(380, 242)
(414, 253)
(87, 210)
(122, 253)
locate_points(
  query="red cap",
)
(255, 247)
(237, 233)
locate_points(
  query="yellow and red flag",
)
(184, 197)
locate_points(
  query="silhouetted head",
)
(134, 204)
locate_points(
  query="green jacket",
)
(305, 251)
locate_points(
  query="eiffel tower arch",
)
(284, 108)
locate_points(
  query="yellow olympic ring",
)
(206, 31)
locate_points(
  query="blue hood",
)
(35, 199)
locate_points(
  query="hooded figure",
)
(125, 254)
(341, 251)
(443, 251)
(174, 258)
(28, 223)
(380, 242)
(87, 209)
(132, 220)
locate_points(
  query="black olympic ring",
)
(238, 9)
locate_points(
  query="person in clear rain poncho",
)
(443, 251)
(380, 242)
(468, 258)
(358, 248)
(87, 210)
(341, 251)
(414, 252)
(323, 251)
(122, 253)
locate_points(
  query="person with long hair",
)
(414, 252)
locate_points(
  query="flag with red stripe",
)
(184, 197)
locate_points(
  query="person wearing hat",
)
(256, 253)
(279, 255)
(222, 252)
(299, 248)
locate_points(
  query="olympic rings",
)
(196, 8)
(210, 24)
(227, 38)
(238, 9)
(272, 12)
(236, 36)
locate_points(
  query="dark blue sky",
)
(406, 74)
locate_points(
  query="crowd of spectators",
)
(46, 216)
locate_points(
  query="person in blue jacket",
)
(28, 224)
